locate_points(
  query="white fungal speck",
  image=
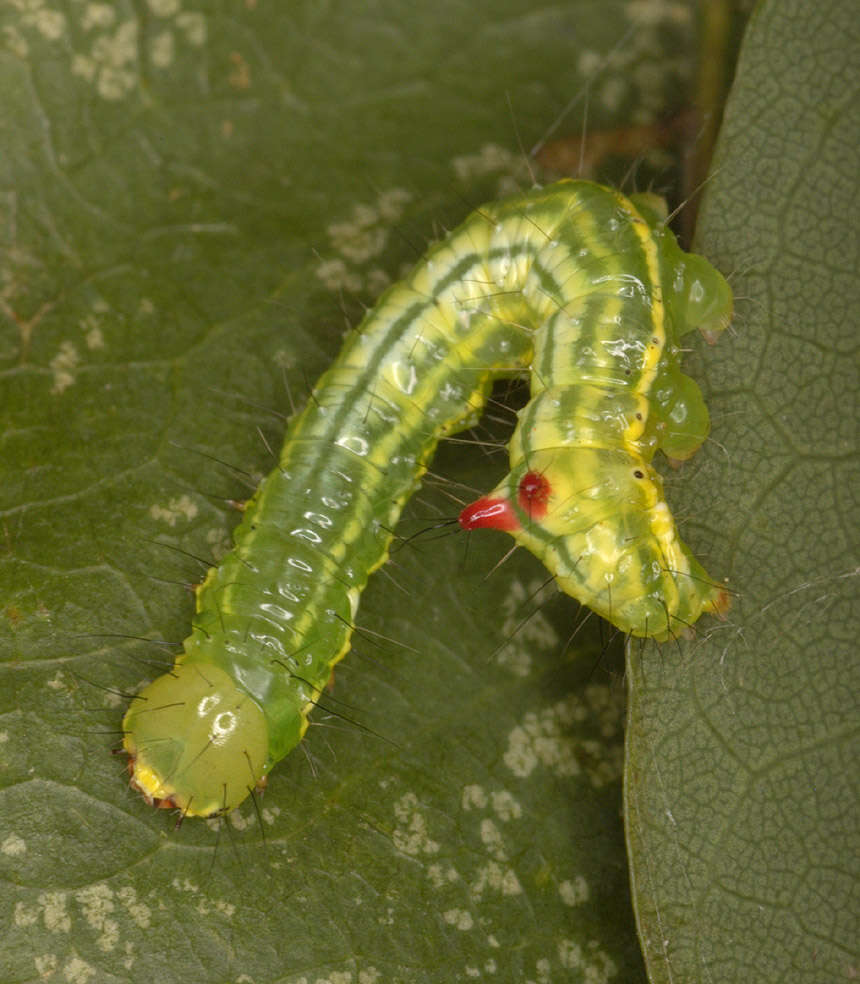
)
(193, 26)
(96, 902)
(139, 911)
(594, 965)
(57, 682)
(492, 839)
(95, 339)
(51, 24)
(575, 891)
(335, 275)
(13, 846)
(77, 971)
(495, 877)
(411, 836)
(182, 507)
(55, 913)
(97, 15)
(361, 237)
(460, 918)
(525, 636)
(163, 8)
(550, 737)
(506, 806)
(473, 797)
(46, 965)
(63, 367)
(161, 49)
(25, 915)
(439, 876)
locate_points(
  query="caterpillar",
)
(580, 286)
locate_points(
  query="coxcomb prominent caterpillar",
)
(584, 289)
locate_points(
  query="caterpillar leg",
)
(682, 419)
(700, 297)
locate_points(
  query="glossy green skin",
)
(574, 282)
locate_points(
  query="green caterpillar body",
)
(587, 291)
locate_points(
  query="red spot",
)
(489, 514)
(534, 492)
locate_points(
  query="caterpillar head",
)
(195, 741)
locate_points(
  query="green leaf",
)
(195, 204)
(742, 766)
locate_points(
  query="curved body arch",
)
(579, 286)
